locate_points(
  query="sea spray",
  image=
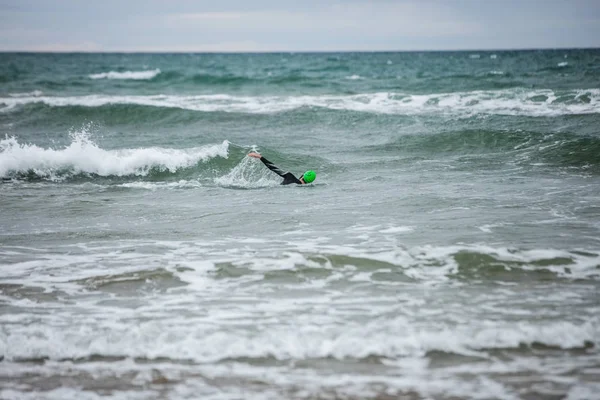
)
(249, 173)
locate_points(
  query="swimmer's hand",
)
(254, 155)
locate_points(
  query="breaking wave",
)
(524, 102)
(283, 343)
(150, 168)
(133, 75)
(214, 270)
(83, 156)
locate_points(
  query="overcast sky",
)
(298, 25)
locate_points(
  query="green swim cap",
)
(309, 176)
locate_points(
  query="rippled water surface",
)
(449, 247)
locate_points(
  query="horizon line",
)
(289, 51)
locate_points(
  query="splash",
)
(249, 173)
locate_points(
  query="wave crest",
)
(133, 75)
(525, 102)
(83, 156)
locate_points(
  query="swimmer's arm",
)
(268, 163)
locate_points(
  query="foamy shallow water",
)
(267, 317)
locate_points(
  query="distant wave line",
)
(133, 75)
(526, 102)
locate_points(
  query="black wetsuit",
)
(288, 177)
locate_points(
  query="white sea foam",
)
(133, 75)
(500, 102)
(63, 393)
(563, 64)
(35, 93)
(487, 228)
(182, 184)
(354, 77)
(415, 262)
(337, 313)
(249, 173)
(200, 341)
(82, 155)
(407, 376)
(397, 229)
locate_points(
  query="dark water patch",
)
(40, 383)
(11, 71)
(129, 283)
(109, 115)
(127, 116)
(332, 68)
(165, 76)
(461, 142)
(300, 80)
(94, 358)
(578, 152)
(560, 67)
(522, 147)
(308, 272)
(229, 270)
(70, 174)
(225, 81)
(58, 84)
(284, 277)
(445, 359)
(362, 263)
(474, 266)
(40, 360)
(5, 78)
(475, 80)
(208, 79)
(539, 348)
(32, 293)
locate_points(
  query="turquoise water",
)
(449, 248)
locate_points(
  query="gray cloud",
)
(264, 25)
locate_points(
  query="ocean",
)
(448, 249)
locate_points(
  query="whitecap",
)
(181, 184)
(82, 155)
(35, 93)
(397, 229)
(133, 75)
(200, 343)
(500, 102)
